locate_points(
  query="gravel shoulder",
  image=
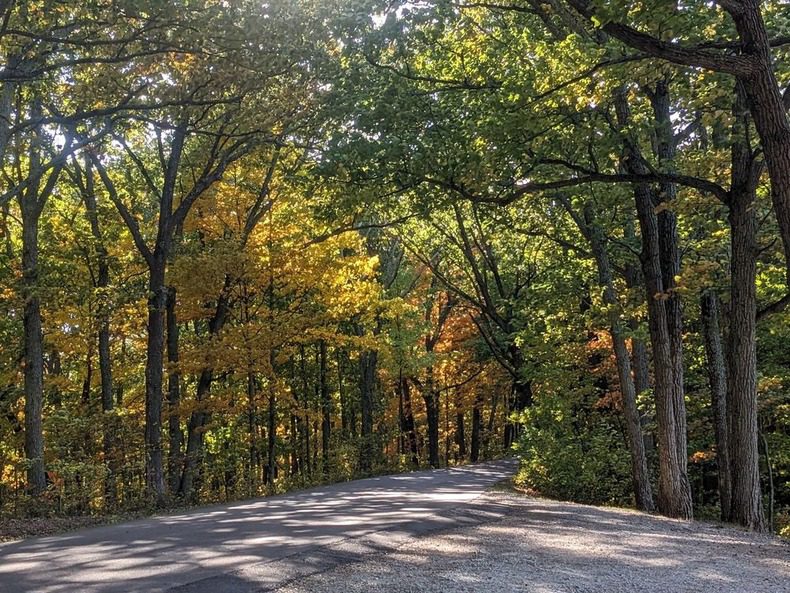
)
(541, 546)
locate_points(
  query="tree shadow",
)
(210, 545)
(543, 546)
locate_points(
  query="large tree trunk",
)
(746, 501)
(669, 249)
(33, 351)
(640, 362)
(717, 379)
(674, 489)
(157, 302)
(769, 112)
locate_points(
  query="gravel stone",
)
(544, 546)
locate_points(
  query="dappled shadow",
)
(162, 553)
(551, 547)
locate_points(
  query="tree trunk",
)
(409, 427)
(769, 112)
(640, 364)
(326, 406)
(105, 371)
(109, 425)
(157, 301)
(477, 420)
(717, 379)
(431, 398)
(640, 476)
(460, 429)
(341, 394)
(306, 406)
(200, 416)
(33, 361)
(175, 459)
(669, 249)
(640, 359)
(746, 499)
(674, 490)
(252, 436)
(368, 362)
(271, 428)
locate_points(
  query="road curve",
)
(248, 546)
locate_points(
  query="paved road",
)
(250, 546)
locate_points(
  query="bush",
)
(574, 455)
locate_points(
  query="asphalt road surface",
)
(252, 546)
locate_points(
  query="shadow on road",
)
(542, 546)
(221, 548)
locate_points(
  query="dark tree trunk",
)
(31, 203)
(764, 100)
(253, 456)
(368, 363)
(341, 393)
(296, 464)
(717, 379)
(326, 406)
(157, 304)
(306, 405)
(477, 421)
(109, 425)
(640, 362)
(271, 429)
(746, 501)
(86, 383)
(669, 249)
(176, 458)
(409, 428)
(489, 431)
(33, 361)
(674, 490)
(431, 398)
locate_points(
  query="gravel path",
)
(539, 546)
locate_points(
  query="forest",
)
(249, 247)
